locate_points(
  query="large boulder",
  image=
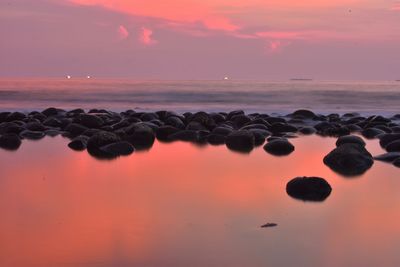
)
(99, 140)
(279, 147)
(241, 141)
(309, 188)
(372, 132)
(10, 141)
(393, 146)
(141, 136)
(304, 113)
(91, 121)
(75, 129)
(386, 139)
(165, 131)
(349, 159)
(122, 148)
(78, 143)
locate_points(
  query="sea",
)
(380, 97)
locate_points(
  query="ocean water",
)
(251, 96)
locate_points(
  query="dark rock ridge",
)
(308, 188)
(132, 130)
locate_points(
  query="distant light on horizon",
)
(69, 77)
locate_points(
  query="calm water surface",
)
(184, 205)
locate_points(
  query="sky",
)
(201, 39)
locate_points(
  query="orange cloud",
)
(145, 36)
(122, 32)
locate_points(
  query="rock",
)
(240, 120)
(10, 141)
(255, 126)
(349, 159)
(397, 163)
(304, 113)
(307, 130)
(52, 122)
(79, 143)
(35, 126)
(350, 139)
(149, 116)
(279, 127)
(309, 188)
(122, 148)
(385, 139)
(50, 112)
(225, 131)
(241, 141)
(216, 139)
(267, 225)
(175, 122)
(195, 126)
(75, 129)
(259, 136)
(393, 146)
(141, 136)
(91, 121)
(10, 127)
(15, 116)
(184, 135)
(371, 132)
(32, 135)
(388, 157)
(165, 131)
(99, 140)
(52, 132)
(279, 147)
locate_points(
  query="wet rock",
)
(216, 139)
(349, 159)
(279, 147)
(10, 127)
(397, 163)
(90, 132)
(393, 146)
(268, 225)
(52, 132)
(222, 131)
(304, 113)
(371, 132)
(91, 121)
(15, 116)
(259, 136)
(175, 122)
(307, 130)
(141, 136)
(149, 116)
(195, 126)
(240, 120)
(50, 112)
(388, 157)
(99, 140)
(79, 143)
(309, 188)
(350, 139)
(10, 141)
(354, 128)
(165, 131)
(32, 135)
(75, 129)
(241, 141)
(255, 126)
(52, 122)
(122, 148)
(185, 135)
(279, 127)
(234, 113)
(35, 126)
(386, 139)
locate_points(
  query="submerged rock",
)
(122, 148)
(79, 143)
(309, 188)
(279, 147)
(241, 141)
(388, 157)
(349, 159)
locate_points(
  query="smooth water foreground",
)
(184, 205)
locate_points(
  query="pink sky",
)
(201, 39)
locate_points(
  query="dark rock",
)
(52, 122)
(222, 131)
(195, 126)
(216, 139)
(10, 141)
(350, 139)
(165, 131)
(91, 121)
(309, 188)
(122, 148)
(393, 146)
(272, 120)
(255, 126)
(279, 127)
(307, 130)
(99, 140)
(149, 116)
(10, 127)
(52, 132)
(354, 128)
(267, 225)
(259, 137)
(241, 141)
(185, 135)
(388, 157)
(279, 147)
(304, 113)
(234, 113)
(386, 139)
(75, 129)
(240, 120)
(90, 132)
(32, 135)
(349, 159)
(175, 122)
(79, 143)
(50, 112)
(396, 129)
(371, 132)
(141, 136)
(35, 126)
(397, 163)
(15, 116)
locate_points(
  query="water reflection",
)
(181, 205)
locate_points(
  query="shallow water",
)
(184, 205)
(252, 96)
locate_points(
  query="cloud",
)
(276, 46)
(396, 6)
(123, 33)
(146, 36)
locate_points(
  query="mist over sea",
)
(252, 96)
